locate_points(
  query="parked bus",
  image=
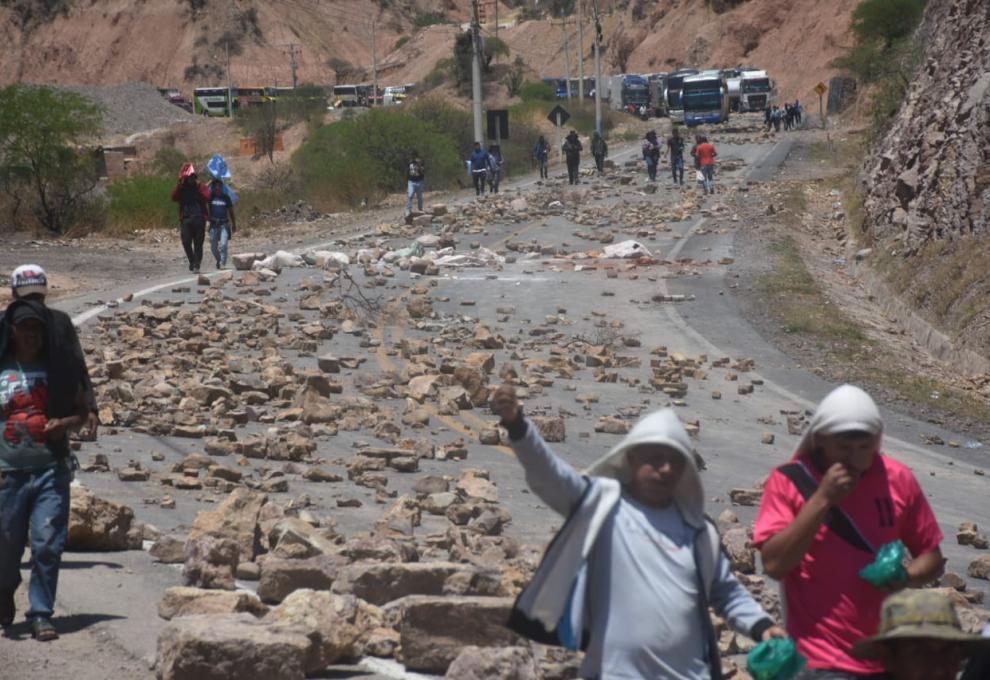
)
(675, 106)
(213, 101)
(346, 95)
(705, 98)
(246, 97)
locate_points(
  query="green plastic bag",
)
(775, 659)
(888, 567)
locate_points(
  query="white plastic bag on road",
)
(626, 249)
(280, 260)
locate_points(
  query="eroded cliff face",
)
(929, 178)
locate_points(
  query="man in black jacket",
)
(29, 282)
(41, 400)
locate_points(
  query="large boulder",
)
(237, 519)
(488, 663)
(185, 601)
(337, 625)
(281, 577)
(96, 524)
(382, 583)
(292, 537)
(211, 562)
(435, 629)
(232, 646)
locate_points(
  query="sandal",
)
(42, 630)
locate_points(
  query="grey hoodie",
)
(638, 597)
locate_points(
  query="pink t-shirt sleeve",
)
(919, 528)
(780, 505)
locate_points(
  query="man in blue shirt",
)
(222, 222)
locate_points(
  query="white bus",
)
(212, 101)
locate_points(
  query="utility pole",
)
(580, 22)
(567, 56)
(293, 49)
(598, 68)
(476, 72)
(230, 92)
(374, 62)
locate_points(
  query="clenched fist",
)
(838, 482)
(505, 404)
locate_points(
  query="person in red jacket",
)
(193, 199)
(706, 153)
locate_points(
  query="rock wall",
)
(929, 178)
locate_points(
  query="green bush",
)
(141, 202)
(531, 92)
(358, 160)
(424, 19)
(886, 20)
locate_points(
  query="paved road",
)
(539, 289)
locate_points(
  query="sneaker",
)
(192, 267)
(42, 630)
(7, 610)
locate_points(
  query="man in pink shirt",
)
(822, 519)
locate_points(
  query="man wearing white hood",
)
(630, 576)
(822, 519)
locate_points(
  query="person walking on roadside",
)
(778, 116)
(415, 175)
(706, 153)
(768, 117)
(30, 282)
(822, 518)
(192, 198)
(541, 154)
(479, 168)
(223, 224)
(41, 400)
(572, 155)
(651, 154)
(599, 149)
(920, 638)
(495, 165)
(631, 575)
(676, 147)
(797, 112)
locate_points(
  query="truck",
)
(705, 98)
(658, 93)
(559, 86)
(675, 81)
(635, 93)
(755, 90)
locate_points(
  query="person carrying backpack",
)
(599, 149)
(651, 154)
(193, 199)
(223, 224)
(572, 155)
(822, 518)
(415, 174)
(631, 575)
(541, 154)
(676, 147)
(478, 163)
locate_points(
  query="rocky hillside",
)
(930, 176)
(927, 182)
(180, 43)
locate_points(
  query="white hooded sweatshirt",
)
(628, 583)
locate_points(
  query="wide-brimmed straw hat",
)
(914, 615)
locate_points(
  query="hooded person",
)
(824, 516)
(631, 575)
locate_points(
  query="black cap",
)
(26, 312)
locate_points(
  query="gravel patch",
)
(132, 107)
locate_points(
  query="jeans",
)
(651, 168)
(414, 189)
(479, 182)
(708, 172)
(494, 179)
(193, 235)
(39, 500)
(219, 238)
(572, 170)
(677, 169)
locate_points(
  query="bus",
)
(347, 95)
(705, 98)
(559, 86)
(213, 101)
(675, 107)
(246, 97)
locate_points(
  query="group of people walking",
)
(630, 576)
(788, 116)
(486, 168)
(201, 205)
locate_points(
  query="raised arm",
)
(554, 480)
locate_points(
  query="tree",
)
(886, 20)
(515, 77)
(464, 52)
(42, 136)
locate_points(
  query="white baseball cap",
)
(29, 279)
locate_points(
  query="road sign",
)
(558, 116)
(820, 89)
(498, 124)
